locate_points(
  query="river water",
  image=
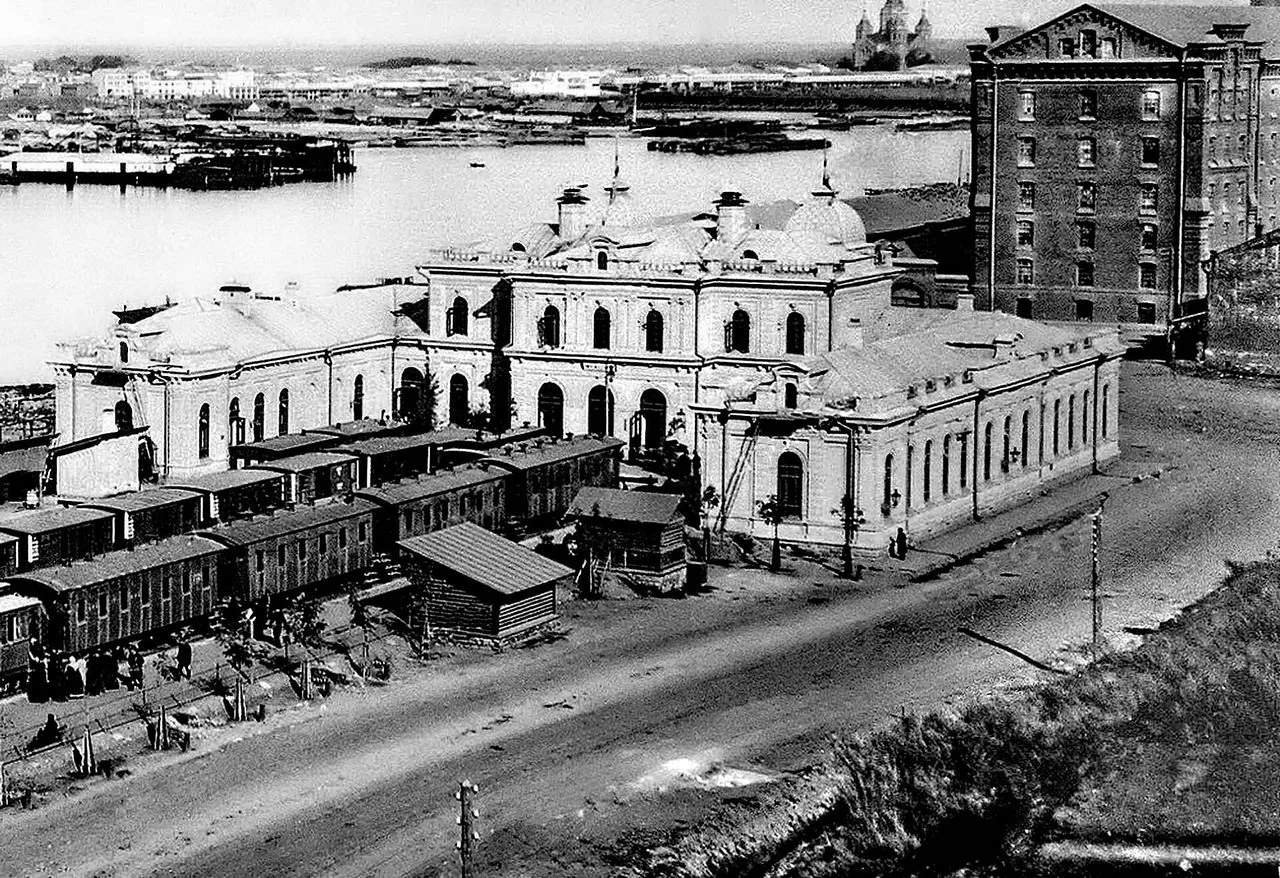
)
(68, 257)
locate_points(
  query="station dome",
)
(828, 217)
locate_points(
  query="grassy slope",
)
(1181, 722)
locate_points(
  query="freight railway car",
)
(21, 620)
(282, 553)
(547, 474)
(154, 514)
(125, 595)
(448, 497)
(315, 475)
(59, 536)
(387, 458)
(237, 493)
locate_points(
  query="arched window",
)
(602, 260)
(202, 432)
(750, 254)
(600, 411)
(1057, 419)
(887, 502)
(926, 488)
(124, 352)
(1106, 414)
(986, 452)
(123, 416)
(235, 424)
(1071, 422)
(412, 398)
(653, 418)
(790, 396)
(517, 247)
(357, 399)
(653, 331)
(964, 460)
(549, 328)
(284, 412)
(795, 333)
(259, 417)
(1084, 419)
(1026, 431)
(1005, 462)
(457, 317)
(551, 408)
(737, 332)
(459, 404)
(790, 485)
(909, 475)
(600, 326)
(946, 465)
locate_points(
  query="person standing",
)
(184, 660)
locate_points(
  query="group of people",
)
(56, 676)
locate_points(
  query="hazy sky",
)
(347, 22)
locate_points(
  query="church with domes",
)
(893, 45)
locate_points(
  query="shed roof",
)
(530, 455)
(45, 520)
(265, 527)
(488, 560)
(638, 507)
(138, 501)
(300, 462)
(232, 478)
(430, 485)
(122, 563)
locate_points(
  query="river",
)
(68, 257)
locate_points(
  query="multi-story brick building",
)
(1114, 149)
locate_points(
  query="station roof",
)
(429, 485)
(637, 507)
(228, 480)
(283, 523)
(530, 455)
(488, 560)
(138, 501)
(122, 563)
(44, 520)
(301, 462)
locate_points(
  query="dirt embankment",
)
(981, 789)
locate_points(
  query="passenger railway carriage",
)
(59, 536)
(547, 474)
(418, 506)
(237, 493)
(155, 514)
(8, 554)
(21, 619)
(315, 475)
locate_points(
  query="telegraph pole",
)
(1096, 544)
(466, 843)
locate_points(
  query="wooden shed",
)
(278, 447)
(295, 549)
(448, 497)
(479, 584)
(59, 536)
(126, 594)
(153, 514)
(637, 534)
(548, 473)
(237, 493)
(315, 476)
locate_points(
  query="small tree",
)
(232, 626)
(851, 517)
(709, 502)
(304, 622)
(771, 511)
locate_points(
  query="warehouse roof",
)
(45, 520)
(137, 501)
(486, 559)
(638, 507)
(283, 523)
(311, 460)
(430, 485)
(232, 478)
(528, 455)
(114, 565)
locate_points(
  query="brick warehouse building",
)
(1115, 148)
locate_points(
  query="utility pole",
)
(1096, 544)
(469, 837)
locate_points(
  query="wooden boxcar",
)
(59, 536)
(447, 497)
(126, 594)
(480, 584)
(8, 554)
(547, 474)
(638, 534)
(295, 549)
(237, 493)
(278, 447)
(21, 619)
(153, 514)
(315, 476)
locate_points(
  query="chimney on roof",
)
(731, 217)
(572, 213)
(998, 32)
(853, 337)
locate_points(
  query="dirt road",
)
(754, 675)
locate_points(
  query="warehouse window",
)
(1057, 420)
(1086, 234)
(124, 599)
(1086, 196)
(1149, 236)
(1084, 418)
(1088, 104)
(1146, 312)
(1028, 106)
(260, 560)
(1023, 307)
(1147, 275)
(1026, 233)
(1151, 151)
(1151, 105)
(1149, 198)
(1026, 196)
(1086, 152)
(964, 459)
(1071, 422)
(1026, 152)
(1026, 272)
(1084, 310)
(1084, 274)
(909, 474)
